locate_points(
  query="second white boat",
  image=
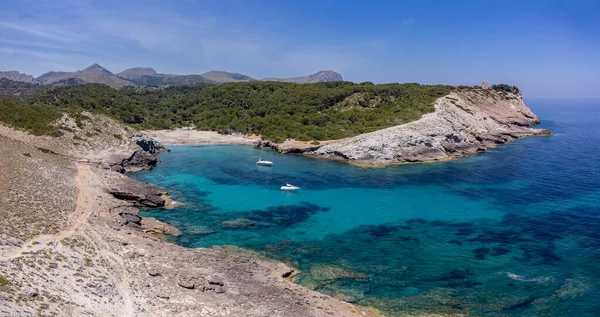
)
(261, 162)
(289, 187)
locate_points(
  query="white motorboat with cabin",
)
(262, 162)
(289, 187)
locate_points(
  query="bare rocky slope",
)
(73, 244)
(92, 74)
(16, 76)
(463, 123)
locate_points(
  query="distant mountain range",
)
(322, 76)
(146, 76)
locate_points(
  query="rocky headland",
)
(463, 123)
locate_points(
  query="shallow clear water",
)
(514, 231)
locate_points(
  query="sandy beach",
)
(186, 136)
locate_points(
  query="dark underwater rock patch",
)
(285, 216)
(480, 253)
(498, 251)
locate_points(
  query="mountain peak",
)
(96, 68)
(137, 72)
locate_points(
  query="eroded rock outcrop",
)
(147, 143)
(463, 123)
(138, 161)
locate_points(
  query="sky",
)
(550, 49)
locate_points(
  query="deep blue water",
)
(511, 232)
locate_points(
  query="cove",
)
(513, 231)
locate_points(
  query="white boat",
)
(289, 187)
(261, 162)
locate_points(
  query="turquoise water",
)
(511, 232)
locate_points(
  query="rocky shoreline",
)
(463, 123)
(99, 257)
(72, 242)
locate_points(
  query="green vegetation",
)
(506, 88)
(27, 154)
(118, 136)
(3, 281)
(7, 83)
(28, 116)
(272, 109)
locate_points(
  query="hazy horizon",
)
(548, 48)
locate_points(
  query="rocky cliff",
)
(463, 123)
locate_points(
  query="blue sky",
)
(548, 48)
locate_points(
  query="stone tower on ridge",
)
(485, 85)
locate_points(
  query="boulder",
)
(147, 143)
(30, 292)
(151, 199)
(138, 161)
(189, 280)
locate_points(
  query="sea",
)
(514, 231)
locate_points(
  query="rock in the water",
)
(200, 230)
(138, 161)
(238, 223)
(151, 225)
(326, 273)
(147, 144)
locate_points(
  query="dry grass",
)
(35, 207)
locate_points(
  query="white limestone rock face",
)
(463, 123)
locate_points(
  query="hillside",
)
(16, 76)
(136, 73)
(274, 110)
(319, 77)
(226, 77)
(464, 122)
(146, 76)
(11, 88)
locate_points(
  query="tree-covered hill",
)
(275, 110)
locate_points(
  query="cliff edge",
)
(463, 123)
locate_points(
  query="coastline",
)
(463, 124)
(135, 272)
(101, 258)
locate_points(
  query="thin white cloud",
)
(36, 30)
